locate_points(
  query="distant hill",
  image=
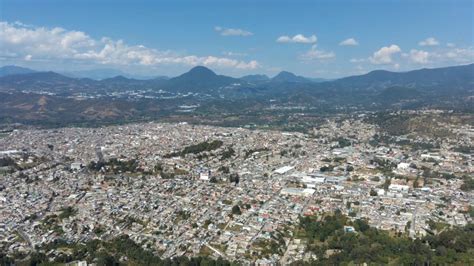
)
(319, 79)
(255, 78)
(286, 76)
(14, 70)
(118, 78)
(36, 77)
(45, 97)
(45, 81)
(199, 79)
(104, 73)
(453, 77)
(374, 87)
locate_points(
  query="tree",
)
(468, 183)
(234, 178)
(224, 169)
(236, 210)
(387, 183)
(373, 193)
(416, 183)
(326, 168)
(375, 179)
(228, 153)
(408, 226)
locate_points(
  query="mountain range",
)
(14, 70)
(202, 79)
(456, 82)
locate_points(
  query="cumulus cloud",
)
(458, 55)
(232, 32)
(431, 41)
(315, 54)
(349, 42)
(419, 56)
(441, 57)
(384, 55)
(298, 38)
(39, 43)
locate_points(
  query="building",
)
(302, 192)
(283, 169)
(398, 188)
(76, 166)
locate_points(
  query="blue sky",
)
(237, 37)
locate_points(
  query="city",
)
(225, 199)
(237, 132)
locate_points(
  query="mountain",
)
(103, 73)
(45, 97)
(97, 74)
(286, 76)
(199, 79)
(45, 81)
(158, 78)
(14, 70)
(318, 80)
(120, 81)
(36, 77)
(461, 77)
(456, 81)
(255, 78)
(118, 78)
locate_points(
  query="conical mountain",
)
(200, 79)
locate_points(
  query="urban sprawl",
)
(182, 189)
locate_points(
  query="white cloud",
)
(384, 55)
(234, 54)
(298, 38)
(458, 55)
(349, 42)
(27, 42)
(419, 56)
(450, 44)
(315, 54)
(442, 56)
(357, 60)
(431, 41)
(232, 32)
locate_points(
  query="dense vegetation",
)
(228, 153)
(468, 183)
(115, 166)
(67, 212)
(119, 251)
(197, 148)
(325, 236)
(333, 246)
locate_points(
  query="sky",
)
(320, 39)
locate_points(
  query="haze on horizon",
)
(314, 39)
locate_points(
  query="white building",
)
(76, 166)
(204, 175)
(283, 169)
(304, 192)
(398, 188)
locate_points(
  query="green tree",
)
(373, 193)
(236, 210)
